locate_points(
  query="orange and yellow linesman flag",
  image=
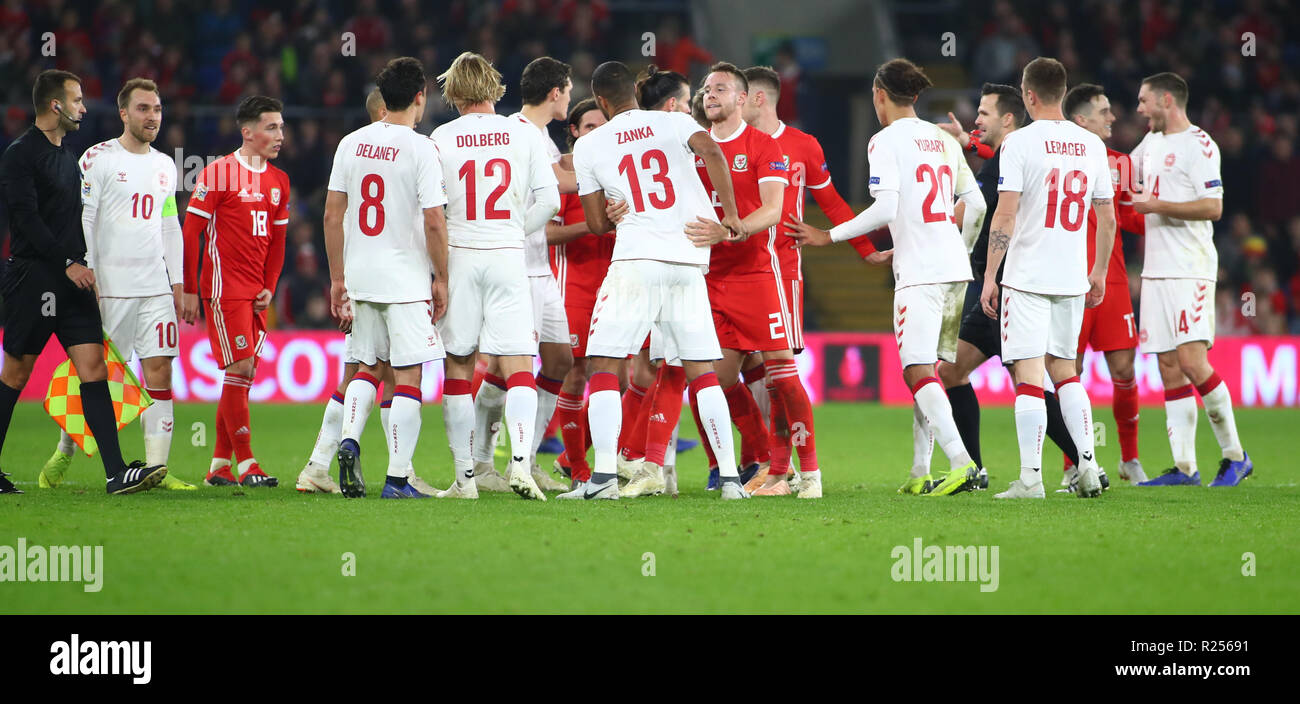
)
(63, 400)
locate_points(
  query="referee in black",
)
(45, 284)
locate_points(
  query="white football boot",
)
(649, 481)
(1132, 472)
(1018, 490)
(732, 489)
(521, 482)
(670, 480)
(315, 478)
(545, 481)
(810, 484)
(459, 490)
(489, 479)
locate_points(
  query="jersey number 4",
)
(627, 167)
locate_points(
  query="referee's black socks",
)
(97, 406)
(8, 398)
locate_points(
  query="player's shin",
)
(934, 406)
(779, 442)
(521, 414)
(922, 442)
(798, 408)
(404, 432)
(1218, 408)
(756, 379)
(548, 394)
(458, 420)
(488, 404)
(1076, 410)
(1126, 417)
(715, 419)
(331, 429)
(1031, 426)
(1180, 421)
(157, 421)
(605, 416)
(357, 403)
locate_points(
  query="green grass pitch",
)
(1169, 550)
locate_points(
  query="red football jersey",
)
(243, 214)
(1121, 176)
(753, 158)
(806, 165)
(580, 265)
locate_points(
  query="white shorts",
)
(1174, 312)
(954, 298)
(550, 324)
(926, 317)
(1035, 324)
(145, 326)
(401, 334)
(489, 305)
(641, 294)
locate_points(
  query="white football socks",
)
(458, 420)
(934, 405)
(922, 443)
(331, 429)
(1031, 426)
(488, 404)
(357, 402)
(1218, 408)
(521, 417)
(715, 415)
(605, 418)
(1076, 410)
(404, 434)
(1180, 421)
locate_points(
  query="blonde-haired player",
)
(500, 186)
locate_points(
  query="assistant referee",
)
(46, 285)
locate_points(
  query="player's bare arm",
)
(593, 209)
(1004, 223)
(563, 234)
(706, 233)
(435, 241)
(769, 213)
(1105, 243)
(880, 214)
(1203, 209)
(336, 205)
(263, 300)
(565, 177)
(715, 163)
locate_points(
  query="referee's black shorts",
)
(977, 328)
(40, 301)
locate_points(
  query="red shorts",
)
(579, 329)
(792, 311)
(747, 315)
(234, 330)
(1109, 326)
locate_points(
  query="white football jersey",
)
(390, 174)
(1179, 168)
(925, 166)
(491, 164)
(125, 199)
(1058, 168)
(642, 156)
(536, 259)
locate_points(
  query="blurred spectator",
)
(674, 52)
